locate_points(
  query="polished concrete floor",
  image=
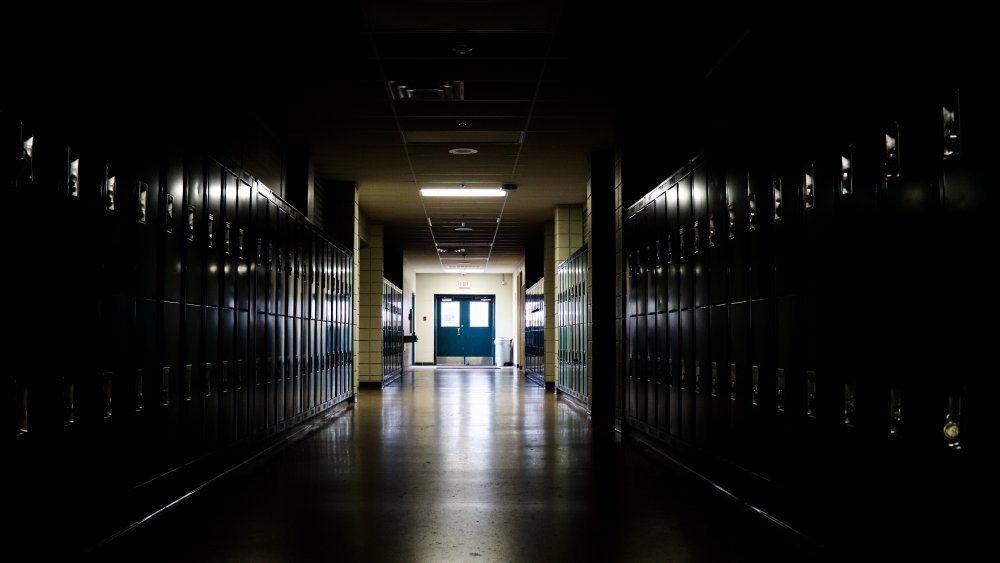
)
(458, 465)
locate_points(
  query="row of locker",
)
(392, 332)
(571, 324)
(534, 332)
(193, 308)
(782, 307)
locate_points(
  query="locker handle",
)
(809, 188)
(110, 184)
(776, 188)
(680, 243)
(168, 219)
(752, 204)
(711, 231)
(732, 221)
(143, 189)
(210, 232)
(697, 237)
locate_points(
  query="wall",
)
(447, 284)
(370, 290)
(549, 285)
(409, 289)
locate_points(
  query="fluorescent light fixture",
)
(462, 192)
(463, 270)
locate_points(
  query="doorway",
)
(464, 329)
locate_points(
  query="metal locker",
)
(642, 365)
(261, 381)
(660, 251)
(674, 379)
(641, 263)
(685, 237)
(245, 245)
(174, 224)
(652, 267)
(243, 382)
(790, 390)
(763, 388)
(738, 373)
(191, 384)
(280, 369)
(662, 373)
(212, 241)
(147, 383)
(737, 233)
(671, 248)
(280, 256)
(652, 366)
(686, 367)
(760, 223)
(227, 361)
(148, 226)
(210, 379)
(271, 376)
(701, 372)
(191, 230)
(264, 288)
(170, 375)
(718, 378)
(717, 237)
(794, 191)
(227, 242)
(699, 235)
(291, 371)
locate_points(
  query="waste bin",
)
(503, 350)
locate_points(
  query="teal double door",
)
(464, 334)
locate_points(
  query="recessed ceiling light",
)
(462, 151)
(462, 192)
(463, 123)
(463, 270)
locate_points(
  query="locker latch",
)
(143, 190)
(711, 231)
(809, 188)
(952, 420)
(776, 188)
(168, 216)
(895, 411)
(781, 389)
(952, 126)
(811, 394)
(846, 173)
(752, 204)
(732, 220)
(697, 237)
(755, 389)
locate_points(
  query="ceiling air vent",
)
(427, 91)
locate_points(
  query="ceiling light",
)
(463, 270)
(461, 192)
(462, 151)
(463, 229)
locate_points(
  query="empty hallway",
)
(458, 465)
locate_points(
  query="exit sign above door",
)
(464, 284)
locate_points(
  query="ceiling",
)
(534, 87)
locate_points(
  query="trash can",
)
(503, 351)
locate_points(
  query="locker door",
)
(213, 233)
(790, 385)
(738, 373)
(685, 238)
(271, 371)
(244, 245)
(789, 208)
(148, 226)
(191, 229)
(170, 372)
(642, 364)
(763, 388)
(651, 268)
(263, 386)
(632, 322)
(191, 397)
(280, 349)
(718, 379)
(148, 383)
(174, 241)
(701, 373)
(242, 385)
(210, 379)
(760, 210)
(280, 258)
(718, 239)
(671, 245)
(674, 339)
(227, 361)
(661, 250)
(737, 232)
(688, 397)
(699, 236)
(662, 373)
(228, 242)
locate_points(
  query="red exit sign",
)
(464, 284)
